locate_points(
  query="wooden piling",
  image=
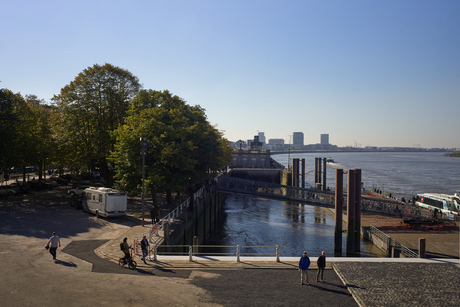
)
(351, 212)
(357, 210)
(338, 212)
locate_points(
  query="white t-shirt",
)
(54, 241)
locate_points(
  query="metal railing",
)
(197, 250)
(392, 243)
(169, 219)
(319, 198)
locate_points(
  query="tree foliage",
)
(9, 121)
(183, 148)
(89, 109)
(25, 134)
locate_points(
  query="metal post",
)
(143, 153)
(190, 253)
(338, 212)
(277, 253)
(237, 253)
(357, 210)
(421, 247)
(155, 251)
(351, 213)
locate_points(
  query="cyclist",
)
(126, 248)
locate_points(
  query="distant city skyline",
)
(368, 73)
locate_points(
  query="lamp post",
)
(143, 153)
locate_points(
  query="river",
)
(256, 222)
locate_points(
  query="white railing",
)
(194, 250)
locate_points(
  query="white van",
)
(105, 201)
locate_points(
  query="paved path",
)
(81, 277)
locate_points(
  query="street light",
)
(143, 153)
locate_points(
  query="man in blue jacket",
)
(304, 263)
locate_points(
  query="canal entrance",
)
(255, 223)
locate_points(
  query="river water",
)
(256, 222)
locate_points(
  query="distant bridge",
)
(318, 198)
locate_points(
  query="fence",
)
(394, 248)
(197, 250)
(170, 218)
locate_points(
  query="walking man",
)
(321, 265)
(53, 243)
(145, 248)
(304, 264)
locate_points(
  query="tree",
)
(91, 107)
(25, 133)
(183, 148)
(9, 121)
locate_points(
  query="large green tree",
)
(25, 133)
(183, 147)
(89, 109)
(9, 121)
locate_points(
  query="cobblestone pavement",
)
(401, 284)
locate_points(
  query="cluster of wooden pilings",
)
(298, 169)
(320, 171)
(353, 212)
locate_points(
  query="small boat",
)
(330, 160)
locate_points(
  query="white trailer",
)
(105, 201)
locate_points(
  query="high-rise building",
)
(262, 137)
(324, 139)
(297, 139)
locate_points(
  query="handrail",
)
(193, 250)
(407, 252)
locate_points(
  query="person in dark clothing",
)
(126, 248)
(321, 265)
(304, 264)
(145, 248)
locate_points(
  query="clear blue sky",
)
(372, 73)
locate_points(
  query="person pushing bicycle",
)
(126, 248)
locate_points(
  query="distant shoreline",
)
(448, 153)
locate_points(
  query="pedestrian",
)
(126, 248)
(304, 263)
(53, 243)
(145, 248)
(321, 262)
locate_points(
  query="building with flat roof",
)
(297, 140)
(324, 139)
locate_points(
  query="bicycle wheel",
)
(121, 262)
(132, 265)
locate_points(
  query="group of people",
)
(304, 264)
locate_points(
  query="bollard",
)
(277, 253)
(155, 253)
(190, 253)
(237, 253)
(421, 247)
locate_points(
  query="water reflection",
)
(294, 227)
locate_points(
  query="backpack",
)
(121, 246)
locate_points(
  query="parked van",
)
(105, 201)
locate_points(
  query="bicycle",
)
(131, 263)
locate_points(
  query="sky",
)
(368, 73)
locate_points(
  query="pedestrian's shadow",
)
(64, 263)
